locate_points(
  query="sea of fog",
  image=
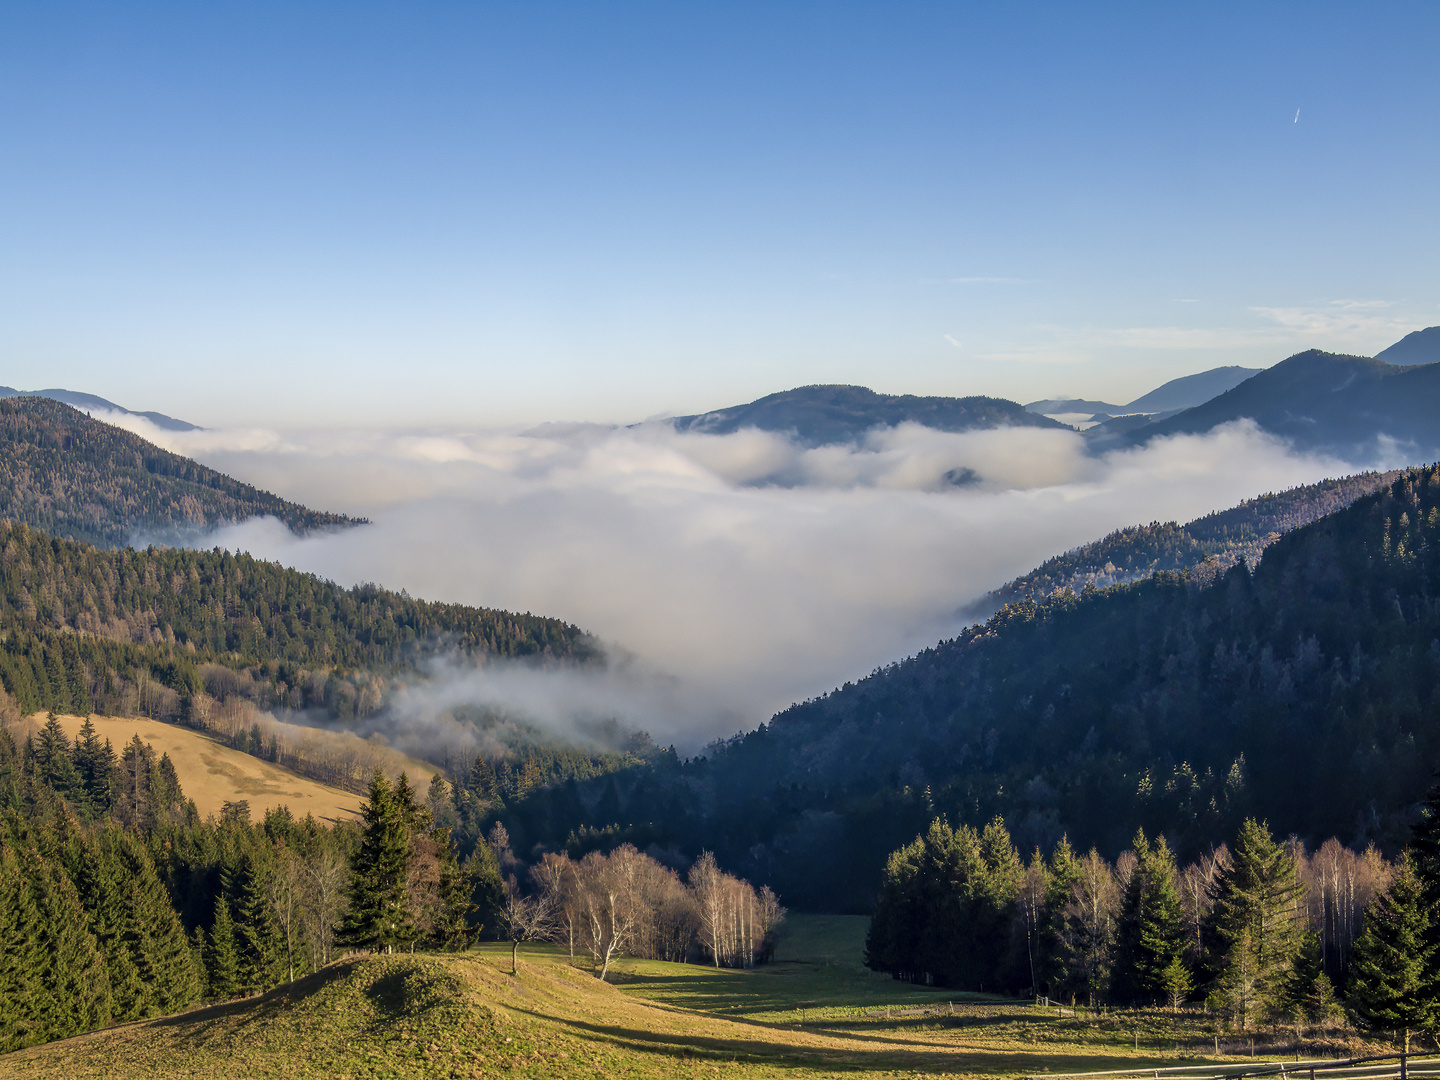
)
(727, 575)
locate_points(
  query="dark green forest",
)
(1206, 545)
(1305, 691)
(1261, 932)
(117, 902)
(76, 622)
(78, 479)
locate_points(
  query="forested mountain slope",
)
(1306, 693)
(821, 415)
(78, 479)
(1207, 545)
(77, 622)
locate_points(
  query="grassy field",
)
(212, 773)
(816, 1014)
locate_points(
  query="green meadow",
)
(814, 1012)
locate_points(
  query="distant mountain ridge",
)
(1329, 402)
(76, 478)
(828, 414)
(1420, 347)
(86, 402)
(1182, 393)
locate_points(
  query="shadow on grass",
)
(911, 1055)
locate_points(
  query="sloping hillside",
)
(1217, 540)
(78, 479)
(1306, 692)
(1419, 347)
(81, 629)
(822, 415)
(87, 402)
(212, 774)
(402, 1017)
(1325, 401)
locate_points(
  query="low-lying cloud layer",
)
(737, 573)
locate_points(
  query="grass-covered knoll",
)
(820, 1015)
(74, 477)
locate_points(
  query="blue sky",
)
(486, 214)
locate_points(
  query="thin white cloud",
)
(990, 281)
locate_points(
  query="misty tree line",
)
(1260, 931)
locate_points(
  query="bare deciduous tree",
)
(524, 918)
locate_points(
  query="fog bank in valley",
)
(728, 575)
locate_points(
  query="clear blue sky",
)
(489, 213)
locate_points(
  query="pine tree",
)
(262, 946)
(377, 917)
(1150, 933)
(94, 762)
(53, 763)
(487, 889)
(1257, 900)
(452, 922)
(77, 992)
(136, 807)
(1055, 969)
(222, 956)
(156, 936)
(1392, 969)
(22, 970)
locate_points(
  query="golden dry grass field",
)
(816, 1014)
(212, 773)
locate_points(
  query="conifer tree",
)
(262, 946)
(1055, 969)
(22, 969)
(135, 806)
(94, 762)
(1393, 968)
(1150, 933)
(377, 917)
(157, 938)
(76, 991)
(102, 881)
(222, 955)
(53, 764)
(452, 927)
(487, 889)
(1257, 907)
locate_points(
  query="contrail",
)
(1297, 117)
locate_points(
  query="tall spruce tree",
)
(222, 955)
(1056, 972)
(1150, 933)
(1257, 908)
(22, 964)
(263, 961)
(452, 926)
(377, 918)
(1393, 980)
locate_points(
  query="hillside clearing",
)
(212, 773)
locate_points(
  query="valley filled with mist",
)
(727, 575)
